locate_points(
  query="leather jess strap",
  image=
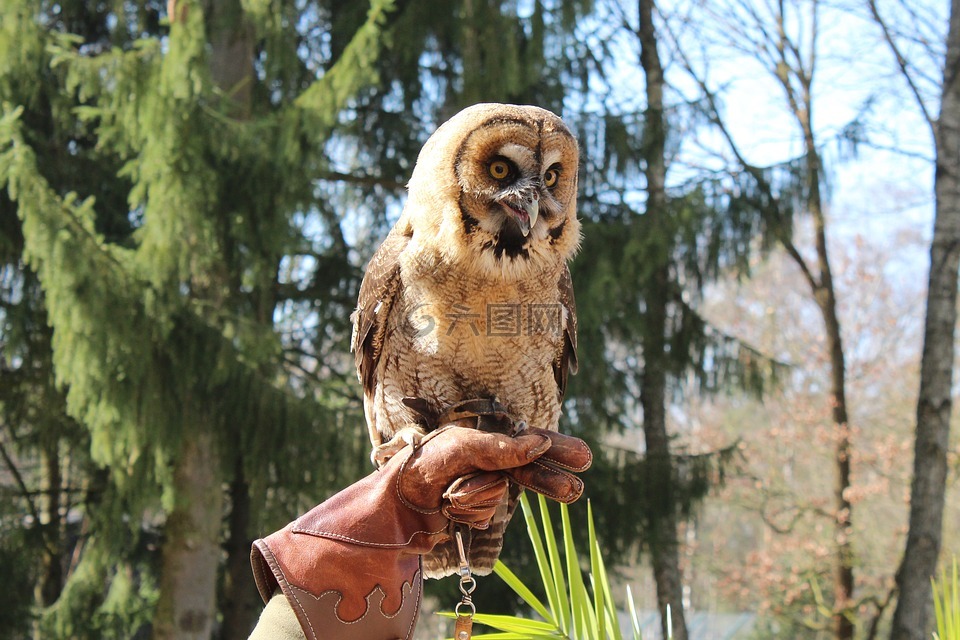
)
(484, 414)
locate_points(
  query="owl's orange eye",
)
(550, 177)
(499, 169)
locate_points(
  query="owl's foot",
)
(411, 435)
(485, 414)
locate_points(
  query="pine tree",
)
(164, 339)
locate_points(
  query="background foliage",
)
(190, 192)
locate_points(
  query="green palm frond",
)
(946, 605)
(570, 609)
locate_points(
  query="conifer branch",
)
(728, 337)
(353, 70)
(346, 392)
(723, 453)
(363, 180)
(24, 175)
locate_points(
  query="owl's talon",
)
(406, 436)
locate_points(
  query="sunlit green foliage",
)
(572, 610)
(946, 604)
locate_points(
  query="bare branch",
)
(713, 114)
(26, 494)
(881, 606)
(902, 64)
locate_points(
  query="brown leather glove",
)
(350, 567)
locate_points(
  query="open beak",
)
(525, 213)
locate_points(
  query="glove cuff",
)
(350, 567)
(340, 601)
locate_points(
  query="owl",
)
(470, 296)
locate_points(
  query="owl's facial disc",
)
(516, 181)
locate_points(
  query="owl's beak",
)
(525, 212)
(532, 208)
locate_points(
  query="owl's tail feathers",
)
(483, 546)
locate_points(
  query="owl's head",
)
(503, 179)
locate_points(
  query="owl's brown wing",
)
(379, 289)
(565, 362)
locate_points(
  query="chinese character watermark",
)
(499, 320)
(463, 314)
(503, 319)
(544, 319)
(423, 323)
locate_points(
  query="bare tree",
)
(911, 618)
(782, 36)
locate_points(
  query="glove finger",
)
(455, 451)
(477, 490)
(548, 480)
(474, 499)
(566, 452)
(473, 518)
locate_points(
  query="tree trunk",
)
(912, 619)
(231, 54)
(664, 545)
(843, 577)
(241, 604)
(186, 609)
(799, 97)
(231, 68)
(50, 580)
